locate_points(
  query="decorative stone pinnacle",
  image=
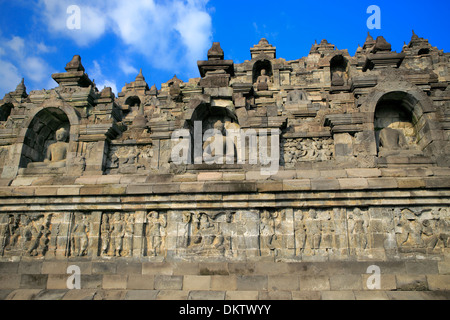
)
(140, 75)
(75, 64)
(263, 42)
(216, 52)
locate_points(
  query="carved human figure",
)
(296, 97)
(4, 234)
(415, 234)
(401, 229)
(267, 230)
(55, 238)
(44, 238)
(13, 232)
(129, 233)
(213, 149)
(185, 238)
(26, 232)
(58, 150)
(325, 153)
(262, 82)
(207, 237)
(392, 139)
(105, 234)
(429, 238)
(39, 238)
(358, 230)
(328, 230)
(205, 232)
(409, 229)
(337, 78)
(80, 238)
(34, 242)
(313, 232)
(155, 223)
(117, 234)
(299, 233)
(443, 231)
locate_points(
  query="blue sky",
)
(164, 38)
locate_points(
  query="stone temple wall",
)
(345, 161)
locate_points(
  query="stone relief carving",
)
(270, 232)
(297, 234)
(25, 235)
(155, 233)
(307, 149)
(79, 235)
(117, 230)
(358, 230)
(422, 229)
(4, 151)
(297, 97)
(203, 233)
(129, 159)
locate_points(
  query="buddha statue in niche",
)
(56, 154)
(262, 82)
(392, 139)
(208, 146)
(395, 142)
(58, 150)
(216, 147)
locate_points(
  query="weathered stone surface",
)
(10, 281)
(168, 282)
(371, 295)
(284, 283)
(196, 282)
(338, 295)
(252, 283)
(141, 295)
(314, 283)
(438, 282)
(242, 295)
(114, 281)
(23, 294)
(412, 282)
(33, 281)
(206, 295)
(294, 196)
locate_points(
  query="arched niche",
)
(423, 51)
(41, 133)
(339, 70)
(398, 122)
(133, 101)
(208, 116)
(5, 111)
(132, 104)
(261, 65)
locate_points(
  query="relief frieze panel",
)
(306, 234)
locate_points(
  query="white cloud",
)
(20, 60)
(171, 34)
(127, 68)
(96, 74)
(17, 45)
(10, 77)
(93, 19)
(194, 27)
(43, 48)
(35, 69)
